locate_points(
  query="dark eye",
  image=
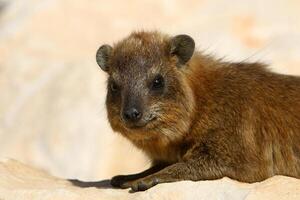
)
(158, 82)
(113, 86)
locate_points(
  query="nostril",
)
(127, 115)
(136, 114)
(132, 114)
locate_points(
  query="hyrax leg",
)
(206, 161)
(176, 172)
(121, 180)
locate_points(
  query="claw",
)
(142, 186)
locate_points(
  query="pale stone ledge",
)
(19, 181)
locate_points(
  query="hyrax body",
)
(199, 118)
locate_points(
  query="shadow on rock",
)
(104, 184)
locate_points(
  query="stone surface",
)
(52, 113)
(21, 182)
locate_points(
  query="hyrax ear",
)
(103, 55)
(183, 47)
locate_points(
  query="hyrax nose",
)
(132, 115)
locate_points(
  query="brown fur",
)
(214, 118)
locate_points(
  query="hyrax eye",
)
(113, 86)
(158, 83)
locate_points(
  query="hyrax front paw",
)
(141, 184)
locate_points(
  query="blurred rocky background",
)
(52, 92)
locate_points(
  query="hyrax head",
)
(147, 94)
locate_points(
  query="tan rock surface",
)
(20, 182)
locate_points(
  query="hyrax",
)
(196, 117)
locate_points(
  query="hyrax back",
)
(197, 117)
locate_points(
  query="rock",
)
(21, 182)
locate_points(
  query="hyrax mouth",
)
(144, 122)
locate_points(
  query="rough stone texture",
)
(20, 182)
(52, 113)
